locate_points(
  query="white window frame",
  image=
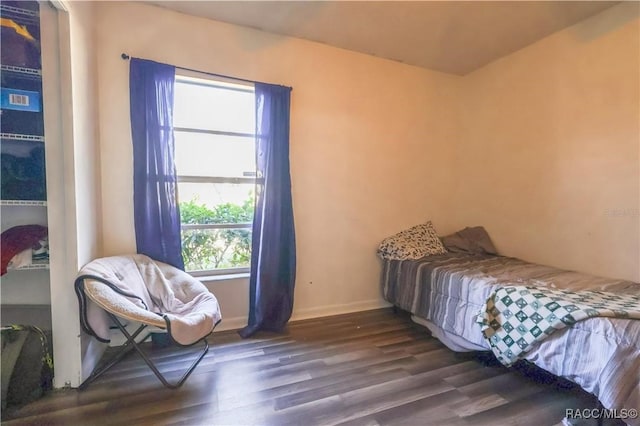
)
(185, 76)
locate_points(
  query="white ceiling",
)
(450, 36)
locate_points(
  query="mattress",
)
(602, 355)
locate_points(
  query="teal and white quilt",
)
(515, 318)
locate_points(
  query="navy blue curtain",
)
(157, 217)
(273, 249)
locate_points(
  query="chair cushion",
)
(111, 301)
(137, 288)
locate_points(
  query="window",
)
(214, 126)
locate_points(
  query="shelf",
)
(38, 315)
(19, 11)
(32, 72)
(34, 266)
(21, 137)
(37, 203)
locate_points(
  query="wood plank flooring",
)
(367, 368)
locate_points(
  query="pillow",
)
(470, 240)
(413, 243)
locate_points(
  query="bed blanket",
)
(188, 309)
(600, 354)
(515, 318)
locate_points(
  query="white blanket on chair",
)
(136, 285)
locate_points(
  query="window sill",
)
(222, 277)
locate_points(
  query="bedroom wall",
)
(371, 145)
(84, 74)
(549, 155)
(86, 160)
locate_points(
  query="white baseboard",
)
(347, 308)
(234, 323)
(315, 312)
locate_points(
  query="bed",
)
(445, 292)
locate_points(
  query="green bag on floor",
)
(27, 367)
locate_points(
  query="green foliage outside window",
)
(206, 249)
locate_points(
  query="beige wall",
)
(86, 155)
(371, 144)
(549, 155)
(541, 146)
(84, 74)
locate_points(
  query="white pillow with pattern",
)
(413, 243)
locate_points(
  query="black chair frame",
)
(130, 345)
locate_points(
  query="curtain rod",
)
(127, 57)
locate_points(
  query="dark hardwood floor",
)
(367, 368)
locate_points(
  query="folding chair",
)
(97, 293)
